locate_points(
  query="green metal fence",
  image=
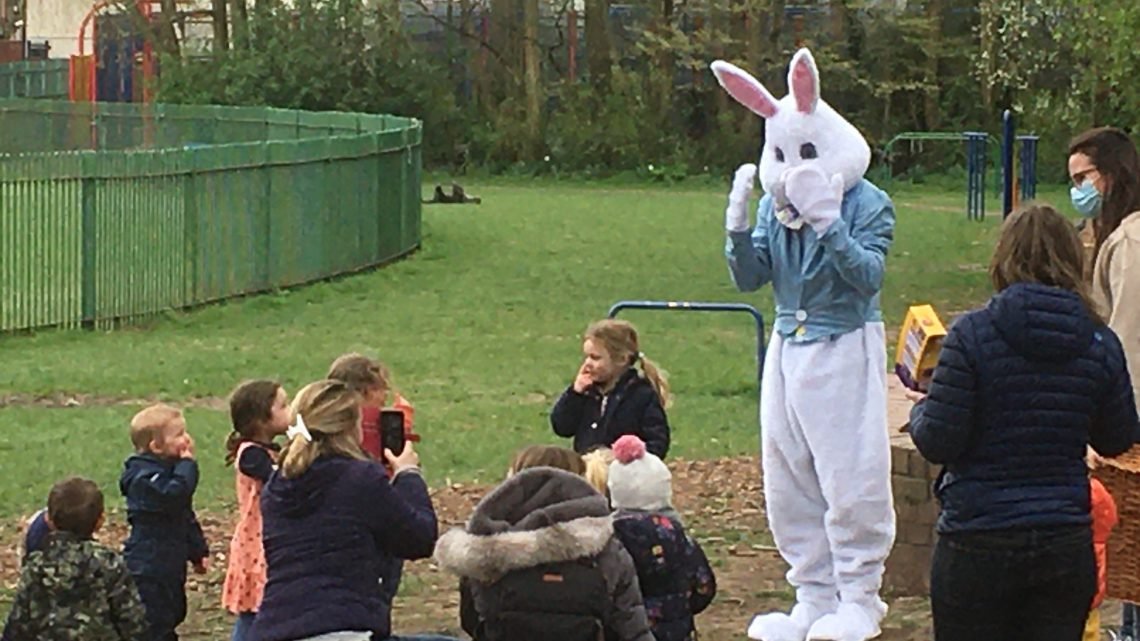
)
(122, 211)
(34, 79)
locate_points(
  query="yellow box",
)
(920, 342)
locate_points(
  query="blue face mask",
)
(1086, 199)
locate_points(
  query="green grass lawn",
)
(481, 329)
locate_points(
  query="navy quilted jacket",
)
(165, 533)
(676, 579)
(330, 534)
(1021, 387)
(594, 420)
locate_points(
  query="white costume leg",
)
(794, 503)
(840, 399)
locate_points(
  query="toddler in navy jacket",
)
(158, 482)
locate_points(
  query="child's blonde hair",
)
(619, 338)
(331, 413)
(547, 456)
(598, 468)
(148, 425)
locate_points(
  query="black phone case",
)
(392, 430)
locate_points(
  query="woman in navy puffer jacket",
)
(1023, 386)
(333, 522)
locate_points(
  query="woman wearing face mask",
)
(1105, 170)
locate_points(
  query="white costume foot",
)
(778, 626)
(851, 622)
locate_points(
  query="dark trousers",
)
(1011, 585)
(390, 580)
(165, 603)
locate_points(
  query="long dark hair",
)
(251, 405)
(1114, 155)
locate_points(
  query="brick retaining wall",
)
(908, 567)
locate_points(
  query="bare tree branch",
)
(550, 51)
(470, 36)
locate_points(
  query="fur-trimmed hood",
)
(540, 515)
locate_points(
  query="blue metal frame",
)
(617, 307)
(1028, 167)
(1007, 162)
(975, 174)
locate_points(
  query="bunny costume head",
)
(799, 128)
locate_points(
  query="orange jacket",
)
(1104, 518)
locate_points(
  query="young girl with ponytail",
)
(259, 411)
(611, 397)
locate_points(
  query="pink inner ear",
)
(804, 87)
(749, 95)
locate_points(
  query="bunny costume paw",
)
(778, 626)
(736, 214)
(783, 209)
(850, 622)
(815, 196)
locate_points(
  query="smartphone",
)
(392, 430)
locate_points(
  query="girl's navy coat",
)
(632, 407)
(1021, 387)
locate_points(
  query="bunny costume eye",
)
(799, 122)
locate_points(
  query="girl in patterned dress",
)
(260, 412)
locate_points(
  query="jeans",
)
(1128, 622)
(343, 635)
(1029, 585)
(242, 625)
(353, 636)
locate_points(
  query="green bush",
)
(324, 55)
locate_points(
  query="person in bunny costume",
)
(821, 238)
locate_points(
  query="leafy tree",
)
(643, 94)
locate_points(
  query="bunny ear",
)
(803, 81)
(744, 88)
